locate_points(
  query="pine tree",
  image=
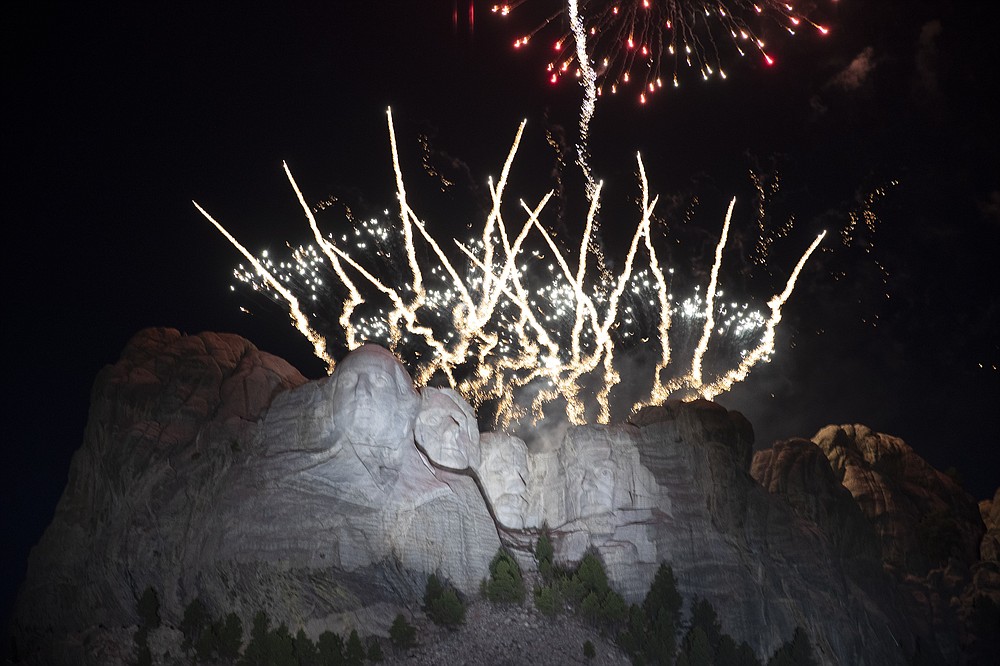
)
(354, 653)
(696, 648)
(591, 575)
(588, 650)
(281, 647)
(726, 652)
(402, 634)
(703, 615)
(796, 652)
(548, 601)
(374, 650)
(544, 554)
(256, 652)
(506, 585)
(662, 608)
(306, 652)
(331, 649)
(801, 650)
(745, 656)
(195, 621)
(433, 590)
(442, 605)
(231, 637)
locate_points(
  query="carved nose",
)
(364, 387)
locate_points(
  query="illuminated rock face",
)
(447, 430)
(503, 472)
(212, 470)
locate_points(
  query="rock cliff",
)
(210, 469)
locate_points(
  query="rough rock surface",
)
(989, 510)
(499, 635)
(929, 531)
(904, 498)
(212, 470)
(798, 471)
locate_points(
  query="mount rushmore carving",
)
(212, 470)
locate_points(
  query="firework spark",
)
(518, 323)
(641, 43)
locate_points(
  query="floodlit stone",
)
(446, 429)
(502, 472)
(212, 470)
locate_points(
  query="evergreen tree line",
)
(208, 640)
(648, 632)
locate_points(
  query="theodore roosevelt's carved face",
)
(591, 477)
(503, 472)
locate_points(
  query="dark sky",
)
(122, 113)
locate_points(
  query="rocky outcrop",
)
(928, 528)
(989, 510)
(799, 472)
(922, 517)
(210, 469)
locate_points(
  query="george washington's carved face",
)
(374, 403)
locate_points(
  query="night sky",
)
(123, 113)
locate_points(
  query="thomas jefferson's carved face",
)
(373, 401)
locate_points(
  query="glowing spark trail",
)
(515, 325)
(589, 83)
(631, 41)
(299, 319)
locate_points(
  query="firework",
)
(643, 45)
(511, 317)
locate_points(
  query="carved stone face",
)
(591, 476)
(374, 402)
(447, 430)
(503, 473)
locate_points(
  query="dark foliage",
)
(256, 652)
(650, 635)
(544, 554)
(402, 634)
(548, 600)
(374, 650)
(506, 585)
(331, 649)
(354, 651)
(306, 652)
(796, 652)
(230, 633)
(442, 605)
(588, 650)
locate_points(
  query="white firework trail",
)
(499, 333)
